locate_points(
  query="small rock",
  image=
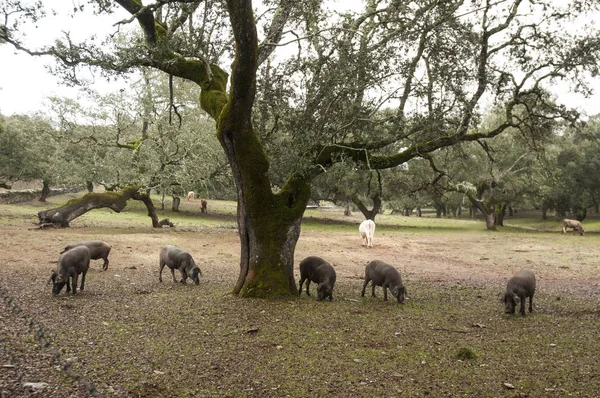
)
(35, 386)
(356, 360)
(252, 331)
(158, 372)
(479, 325)
(509, 386)
(279, 347)
(552, 345)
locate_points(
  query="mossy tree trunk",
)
(268, 223)
(116, 201)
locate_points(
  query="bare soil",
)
(127, 334)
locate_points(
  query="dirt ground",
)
(42, 335)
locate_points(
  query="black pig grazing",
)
(381, 274)
(175, 258)
(98, 249)
(70, 264)
(522, 285)
(315, 269)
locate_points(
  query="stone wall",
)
(25, 195)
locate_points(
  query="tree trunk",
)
(162, 202)
(490, 221)
(45, 190)
(175, 204)
(268, 224)
(581, 213)
(90, 186)
(500, 210)
(510, 211)
(419, 212)
(544, 213)
(487, 210)
(62, 216)
(347, 211)
(369, 214)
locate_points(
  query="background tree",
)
(29, 153)
(571, 182)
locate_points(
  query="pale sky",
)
(25, 83)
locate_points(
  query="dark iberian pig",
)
(70, 264)
(98, 250)
(522, 285)
(576, 225)
(381, 274)
(176, 258)
(315, 269)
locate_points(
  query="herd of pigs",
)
(75, 260)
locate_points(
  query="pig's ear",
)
(52, 277)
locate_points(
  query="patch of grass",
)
(467, 353)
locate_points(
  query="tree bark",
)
(45, 190)
(90, 186)
(116, 201)
(490, 221)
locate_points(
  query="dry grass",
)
(129, 335)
